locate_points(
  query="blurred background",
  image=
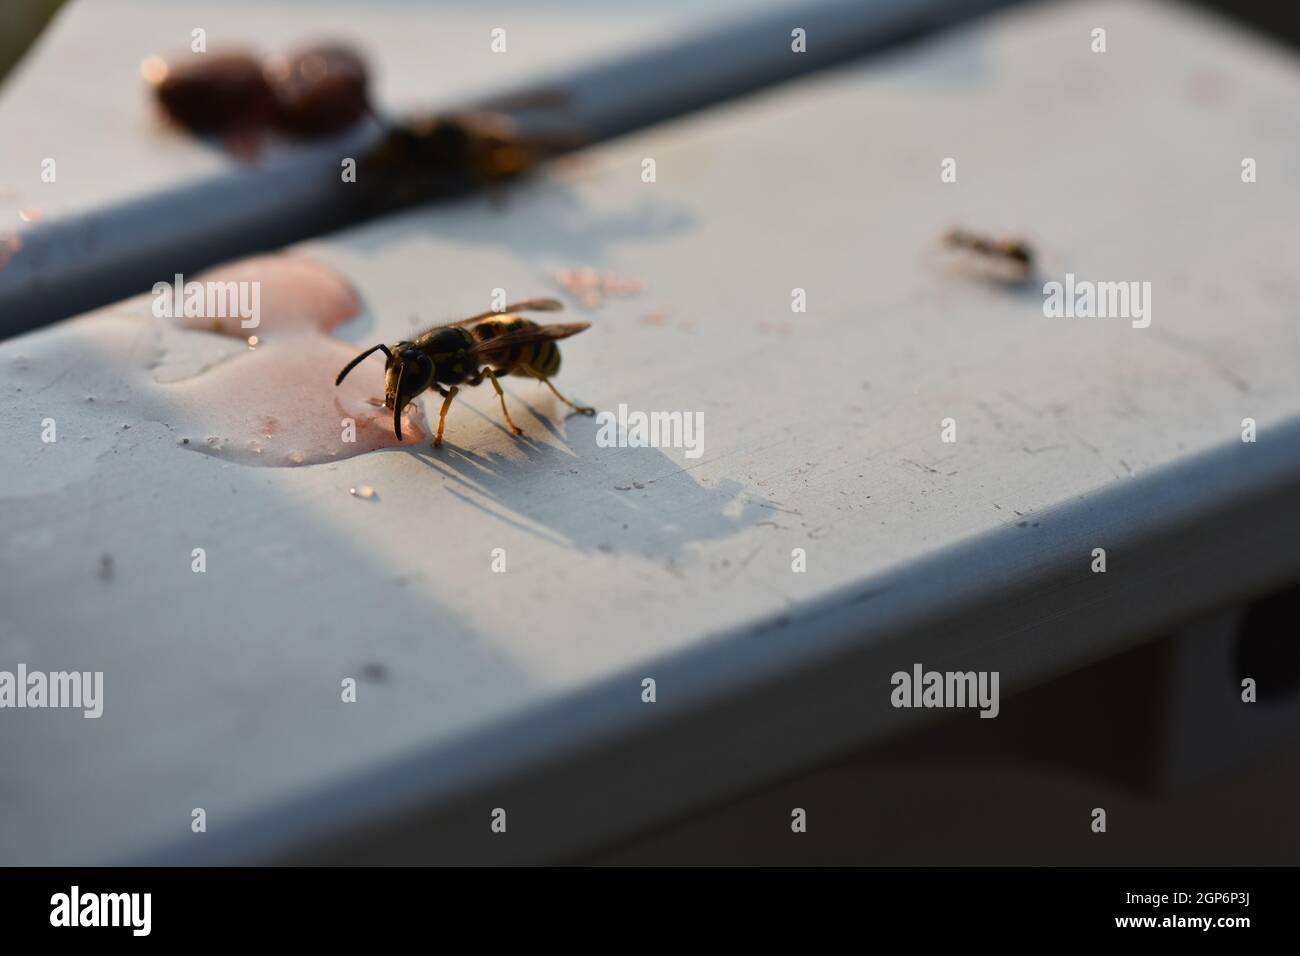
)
(22, 20)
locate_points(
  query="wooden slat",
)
(822, 433)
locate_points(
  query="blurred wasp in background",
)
(479, 148)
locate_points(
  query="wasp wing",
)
(502, 345)
(528, 305)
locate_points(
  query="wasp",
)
(475, 149)
(1012, 259)
(487, 345)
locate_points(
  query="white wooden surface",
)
(822, 430)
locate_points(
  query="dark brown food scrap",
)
(316, 92)
(319, 91)
(211, 92)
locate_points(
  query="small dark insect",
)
(465, 352)
(318, 91)
(1013, 259)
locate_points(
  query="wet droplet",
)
(252, 342)
(362, 491)
(31, 214)
(153, 70)
(278, 405)
(296, 294)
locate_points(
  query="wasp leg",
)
(442, 415)
(581, 409)
(502, 396)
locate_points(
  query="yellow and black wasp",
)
(464, 353)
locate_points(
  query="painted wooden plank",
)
(822, 432)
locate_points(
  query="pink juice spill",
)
(277, 404)
(295, 295)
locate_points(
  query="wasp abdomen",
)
(526, 359)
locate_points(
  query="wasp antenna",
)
(397, 403)
(359, 359)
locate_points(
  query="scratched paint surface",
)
(822, 429)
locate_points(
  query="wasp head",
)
(407, 373)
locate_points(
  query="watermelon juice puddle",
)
(272, 401)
